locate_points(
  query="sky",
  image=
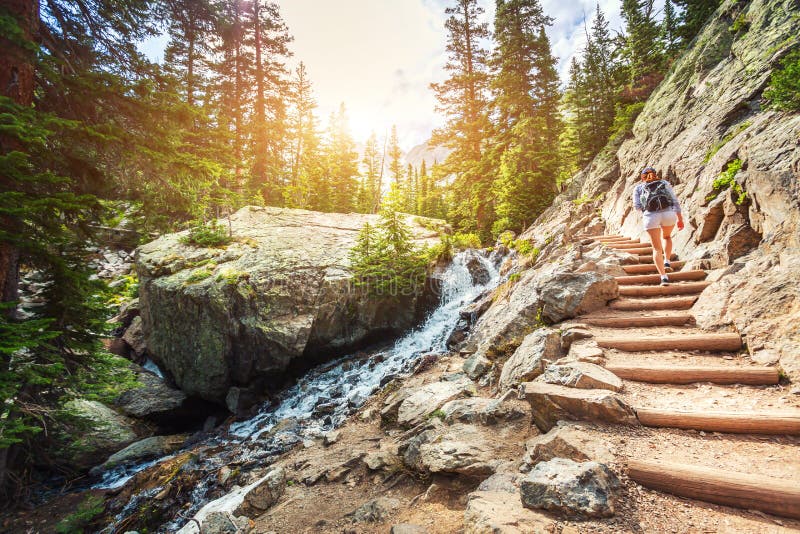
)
(378, 57)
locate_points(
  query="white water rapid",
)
(323, 398)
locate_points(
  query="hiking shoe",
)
(664, 280)
(667, 265)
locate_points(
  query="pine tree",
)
(395, 159)
(525, 144)
(669, 30)
(270, 40)
(462, 97)
(303, 143)
(694, 14)
(372, 167)
(342, 164)
(643, 51)
(191, 23)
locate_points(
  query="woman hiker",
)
(661, 211)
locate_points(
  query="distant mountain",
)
(427, 153)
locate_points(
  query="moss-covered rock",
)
(278, 295)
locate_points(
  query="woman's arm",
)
(677, 205)
(637, 203)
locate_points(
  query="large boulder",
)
(581, 375)
(570, 441)
(573, 490)
(490, 512)
(551, 403)
(144, 449)
(87, 432)
(566, 295)
(279, 294)
(152, 399)
(529, 360)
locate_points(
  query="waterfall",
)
(324, 397)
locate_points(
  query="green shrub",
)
(212, 234)
(506, 238)
(513, 277)
(522, 246)
(727, 179)
(385, 261)
(741, 24)
(722, 142)
(623, 121)
(81, 519)
(465, 241)
(784, 84)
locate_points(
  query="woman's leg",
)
(667, 232)
(658, 252)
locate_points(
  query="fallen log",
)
(740, 490)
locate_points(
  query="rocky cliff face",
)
(218, 318)
(706, 115)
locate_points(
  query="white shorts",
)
(657, 219)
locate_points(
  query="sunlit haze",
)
(379, 56)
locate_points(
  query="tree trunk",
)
(16, 83)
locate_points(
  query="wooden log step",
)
(646, 268)
(685, 374)
(653, 320)
(649, 258)
(686, 288)
(677, 303)
(771, 422)
(637, 250)
(726, 342)
(681, 276)
(740, 490)
(632, 244)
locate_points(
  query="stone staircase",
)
(663, 351)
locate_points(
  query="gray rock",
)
(500, 482)
(573, 334)
(128, 311)
(424, 400)
(384, 459)
(144, 449)
(585, 351)
(480, 275)
(482, 410)
(572, 490)
(87, 432)
(329, 438)
(375, 511)
(218, 523)
(476, 366)
(567, 441)
(280, 291)
(263, 496)
(501, 512)
(153, 399)
(551, 403)
(135, 338)
(566, 295)
(460, 449)
(528, 361)
(581, 375)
